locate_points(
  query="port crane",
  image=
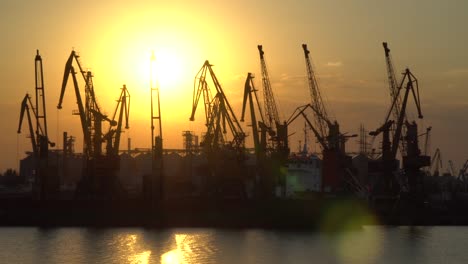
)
(412, 160)
(99, 174)
(332, 142)
(90, 114)
(268, 160)
(224, 141)
(219, 115)
(45, 182)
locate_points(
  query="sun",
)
(167, 68)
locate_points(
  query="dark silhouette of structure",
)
(46, 179)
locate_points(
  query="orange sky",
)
(115, 40)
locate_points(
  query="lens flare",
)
(350, 227)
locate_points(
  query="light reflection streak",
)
(130, 248)
(189, 249)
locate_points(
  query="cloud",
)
(288, 77)
(334, 64)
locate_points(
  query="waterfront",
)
(371, 244)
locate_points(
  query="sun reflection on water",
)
(189, 249)
(130, 248)
(140, 258)
(171, 257)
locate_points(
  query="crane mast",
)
(40, 96)
(44, 183)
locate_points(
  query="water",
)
(371, 244)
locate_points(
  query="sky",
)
(115, 40)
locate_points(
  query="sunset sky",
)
(115, 40)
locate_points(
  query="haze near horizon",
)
(115, 40)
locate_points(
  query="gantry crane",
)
(99, 174)
(45, 182)
(224, 141)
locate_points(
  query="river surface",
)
(371, 244)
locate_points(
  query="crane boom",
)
(317, 103)
(25, 106)
(85, 126)
(394, 94)
(392, 82)
(301, 111)
(40, 110)
(271, 111)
